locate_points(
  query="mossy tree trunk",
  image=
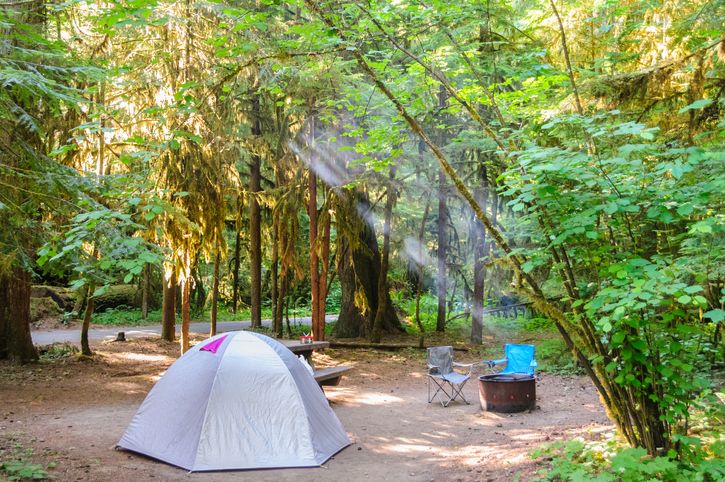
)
(441, 275)
(214, 295)
(16, 343)
(185, 313)
(255, 237)
(90, 305)
(479, 266)
(383, 308)
(168, 320)
(145, 286)
(235, 271)
(359, 272)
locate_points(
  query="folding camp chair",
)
(519, 360)
(448, 383)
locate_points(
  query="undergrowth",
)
(700, 456)
(57, 351)
(16, 463)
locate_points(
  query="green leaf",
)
(528, 266)
(700, 300)
(692, 289)
(716, 315)
(639, 344)
(518, 207)
(698, 104)
(684, 299)
(100, 291)
(685, 210)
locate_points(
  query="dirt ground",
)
(71, 412)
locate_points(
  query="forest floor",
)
(68, 413)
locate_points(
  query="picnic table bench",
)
(329, 376)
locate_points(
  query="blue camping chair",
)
(519, 360)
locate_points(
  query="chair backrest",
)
(519, 358)
(441, 357)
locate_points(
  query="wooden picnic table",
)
(324, 376)
(305, 349)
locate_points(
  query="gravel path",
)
(73, 335)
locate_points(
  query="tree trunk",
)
(185, 308)
(16, 343)
(80, 301)
(441, 281)
(317, 282)
(214, 295)
(385, 261)
(274, 268)
(420, 274)
(314, 262)
(280, 279)
(351, 322)
(359, 270)
(198, 293)
(277, 323)
(145, 292)
(255, 238)
(235, 273)
(479, 267)
(85, 347)
(325, 268)
(168, 320)
(441, 276)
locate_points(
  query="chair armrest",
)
(432, 369)
(456, 364)
(465, 365)
(493, 363)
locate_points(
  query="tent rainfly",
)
(240, 400)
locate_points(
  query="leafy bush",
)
(124, 316)
(57, 351)
(457, 321)
(22, 470)
(576, 460)
(15, 460)
(553, 356)
(334, 297)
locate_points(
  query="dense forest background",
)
(401, 164)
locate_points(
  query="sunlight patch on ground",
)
(468, 455)
(375, 398)
(353, 398)
(127, 387)
(438, 435)
(146, 358)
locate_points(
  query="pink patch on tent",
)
(214, 345)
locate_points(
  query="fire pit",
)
(507, 392)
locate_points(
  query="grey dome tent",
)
(239, 400)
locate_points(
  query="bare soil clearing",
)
(73, 411)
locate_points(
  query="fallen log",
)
(382, 346)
